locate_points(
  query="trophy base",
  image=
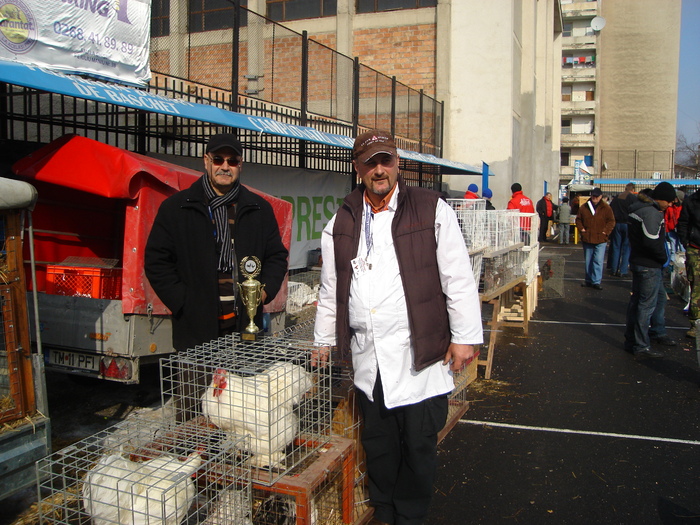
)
(252, 336)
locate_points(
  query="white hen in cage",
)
(261, 405)
(118, 490)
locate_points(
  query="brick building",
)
(494, 65)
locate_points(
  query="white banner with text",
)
(109, 39)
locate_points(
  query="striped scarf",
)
(217, 210)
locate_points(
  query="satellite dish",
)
(598, 23)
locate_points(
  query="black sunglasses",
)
(218, 160)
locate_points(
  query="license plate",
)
(74, 360)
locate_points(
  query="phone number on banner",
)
(78, 33)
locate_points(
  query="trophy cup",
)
(251, 295)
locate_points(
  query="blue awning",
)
(650, 182)
(55, 82)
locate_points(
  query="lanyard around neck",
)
(369, 216)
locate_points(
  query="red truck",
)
(98, 314)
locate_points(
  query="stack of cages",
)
(505, 232)
(270, 390)
(471, 216)
(147, 471)
(346, 421)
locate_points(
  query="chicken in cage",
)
(266, 389)
(144, 473)
(303, 290)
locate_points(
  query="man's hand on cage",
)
(320, 355)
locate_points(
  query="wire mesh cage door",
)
(16, 387)
(147, 471)
(266, 389)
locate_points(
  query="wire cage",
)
(476, 260)
(552, 272)
(142, 471)
(303, 290)
(471, 217)
(346, 420)
(501, 229)
(500, 270)
(266, 388)
(529, 228)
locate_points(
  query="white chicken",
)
(159, 491)
(259, 405)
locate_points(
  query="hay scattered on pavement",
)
(490, 387)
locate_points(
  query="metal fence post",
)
(234, 53)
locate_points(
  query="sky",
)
(688, 122)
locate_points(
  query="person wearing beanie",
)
(595, 221)
(472, 192)
(488, 194)
(519, 201)
(646, 311)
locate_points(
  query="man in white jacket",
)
(397, 291)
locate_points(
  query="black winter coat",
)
(688, 227)
(181, 260)
(647, 234)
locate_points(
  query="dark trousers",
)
(544, 228)
(401, 450)
(647, 308)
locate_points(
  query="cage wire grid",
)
(266, 389)
(302, 290)
(346, 421)
(144, 471)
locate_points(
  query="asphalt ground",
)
(571, 428)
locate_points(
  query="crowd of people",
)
(641, 232)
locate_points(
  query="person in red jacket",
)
(671, 216)
(519, 201)
(472, 192)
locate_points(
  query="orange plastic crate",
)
(78, 281)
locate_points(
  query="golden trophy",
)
(251, 295)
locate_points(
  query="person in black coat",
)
(197, 241)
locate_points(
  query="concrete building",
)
(495, 65)
(619, 91)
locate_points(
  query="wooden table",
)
(497, 298)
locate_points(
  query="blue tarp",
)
(55, 82)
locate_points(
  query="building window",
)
(590, 95)
(160, 18)
(375, 6)
(564, 158)
(565, 126)
(285, 10)
(568, 29)
(566, 93)
(208, 15)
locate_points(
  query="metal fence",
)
(264, 61)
